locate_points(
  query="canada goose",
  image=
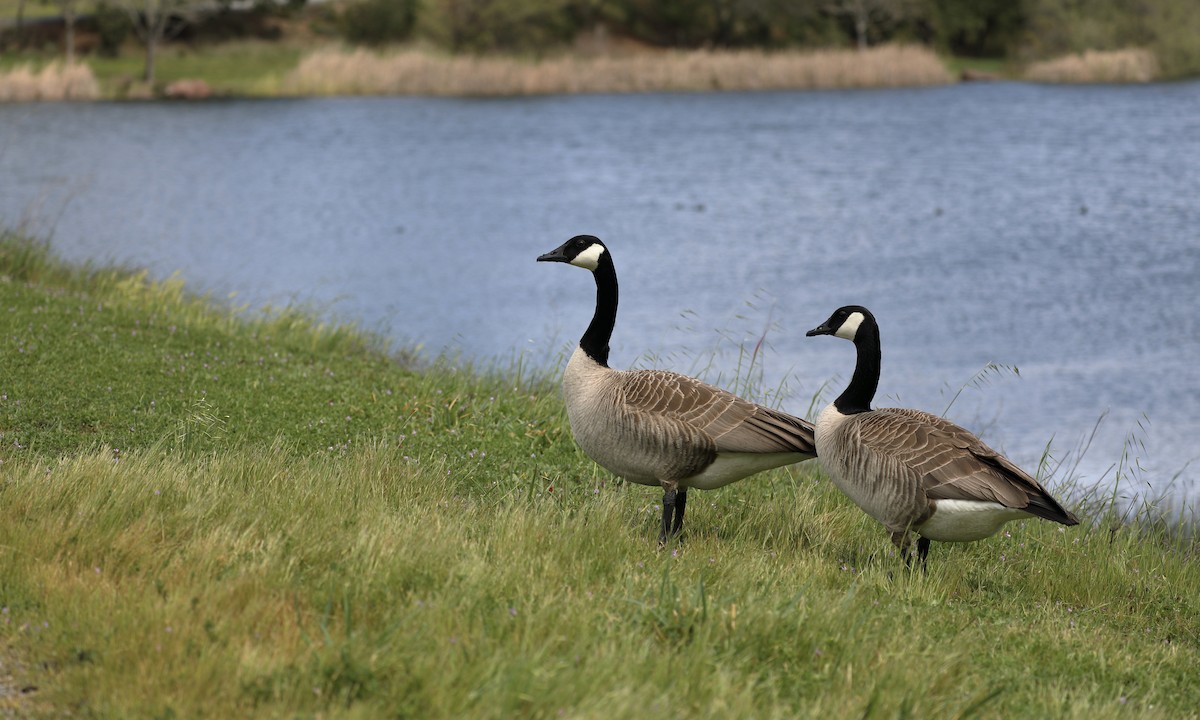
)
(914, 471)
(655, 427)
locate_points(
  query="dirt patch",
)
(16, 696)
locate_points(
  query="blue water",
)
(1055, 229)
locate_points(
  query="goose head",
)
(582, 251)
(844, 322)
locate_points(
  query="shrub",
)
(112, 25)
(54, 82)
(1130, 65)
(378, 22)
(1176, 28)
(360, 72)
(528, 26)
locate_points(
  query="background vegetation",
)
(371, 73)
(991, 35)
(207, 512)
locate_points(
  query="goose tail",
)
(1048, 508)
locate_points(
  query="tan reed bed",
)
(411, 72)
(1115, 66)
(53, 82)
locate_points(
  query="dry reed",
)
(411, 72)
(53, 82)
(1116, 66)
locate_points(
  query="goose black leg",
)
(680, 504)
(923, 552)
(669, 499)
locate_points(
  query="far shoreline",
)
(406, 71)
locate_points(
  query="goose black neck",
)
(595, 341)
(857, 396)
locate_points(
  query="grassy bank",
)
(210, 515)
(266, 69)
(240, 68)
(237, 68)
(262, 69)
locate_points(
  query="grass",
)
(360, 72)
(243, 67)
(53, 81)
(8, 10)
(208, 512)
(988, 68)
(261, 68)
(1114, 66)
(246, 67)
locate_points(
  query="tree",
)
(982, 28)
(155, 21)
(1175, 26)
(869, 14)
(497, 25)
(378, 22)
(21, 23)
(69, 9)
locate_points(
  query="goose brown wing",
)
(733, 424)
(954, 464)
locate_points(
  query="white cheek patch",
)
(590, 258)
(849, 328)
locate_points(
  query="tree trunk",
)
(20, 23)
(861, 19)
(151, 49)
(69, 21)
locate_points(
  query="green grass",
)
(248, 67)
(33, 9)
(210, 513)
(243, 67)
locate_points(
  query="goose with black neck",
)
(656, 427)
(912, 471)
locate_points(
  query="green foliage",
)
(1175, 27)
(378, 22)
(725, 23)
(526, 26)
(1170, 28)
(112, 27)
(681, 23)
(1058, 27)
(1018, 31)
(227, 23)
(213, 513)
(978, 28)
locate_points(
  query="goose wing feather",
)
(953, 464)
(734, 425)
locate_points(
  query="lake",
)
(1054, 229)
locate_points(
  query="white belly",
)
(966, 520)
(729, 467)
